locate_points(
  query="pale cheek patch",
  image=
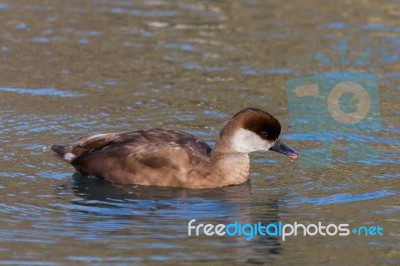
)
(247, 141)
(69, 156)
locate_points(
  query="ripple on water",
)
(336, 25)
(42, 92)
(140, 12)
(343, 198)
(254, 71)
(53, 175)
(4, 6)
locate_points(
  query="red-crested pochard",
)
(172, 158)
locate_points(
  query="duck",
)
(173, 158)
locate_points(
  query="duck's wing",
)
(152, 157)
(141, 139)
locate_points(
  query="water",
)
(73, 68)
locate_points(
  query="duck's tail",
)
(63, 152)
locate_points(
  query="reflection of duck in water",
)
(176, 159)
(163, 214)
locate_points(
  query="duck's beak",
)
(280, 147)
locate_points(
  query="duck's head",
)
(253, 129)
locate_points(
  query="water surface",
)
(73, 68)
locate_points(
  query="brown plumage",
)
(174, 158)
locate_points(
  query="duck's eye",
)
(264, 134)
